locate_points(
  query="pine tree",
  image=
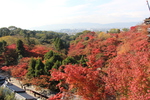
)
(56, 57)
(69, 60)
(51, 58)
(57, 64)
(48, 55)
(58, 44)
(31, 69)
(48, 66)
(39, 68)
(20, 48)
(2, 46)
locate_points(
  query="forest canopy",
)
(92, 65)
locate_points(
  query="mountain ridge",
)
(86, 26)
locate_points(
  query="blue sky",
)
(34, 13)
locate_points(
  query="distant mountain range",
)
(85, 26)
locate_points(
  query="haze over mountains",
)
(86, 26)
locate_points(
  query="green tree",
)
(2, 46)
(57, 64)
(56, 57)
(51, 59)
(125, 29)
(69, 60)
(58, 44)
(20, 48)
(31, 69)
(48, 55)
(114, 30)
(48, 66)
(39, 68)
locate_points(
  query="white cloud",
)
(123, 10)
(47, 12)
(26, 15)
(57, 14)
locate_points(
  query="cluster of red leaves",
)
(5, 68)
(12, 46)
(105, 48)
(20, 70)
(86, 81)
(128, 72)
(79, 45)
(113, 70)
(38, 51)
(128, 75)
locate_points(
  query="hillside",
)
(92, 65)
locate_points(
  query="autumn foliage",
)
(98, 66)
(117, 67)
(83, 81)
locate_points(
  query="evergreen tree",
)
(31, 69)
(69, 60)
(2, 46)
(48, 66)
(48, 55)
(4, 43)
(20, 48)
(57, 64)
(58, 44)
(56, 57)
(39, 68)
(51, 58)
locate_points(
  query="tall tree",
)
(48, 55)
(58, 44)
(39, 68)
(31, 69)
(2, 46)
(48, 66)
(20, 48)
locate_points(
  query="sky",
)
(34, 13)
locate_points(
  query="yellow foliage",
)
(103, 35)
(9, 39)
(13, 39)
(123, 48)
